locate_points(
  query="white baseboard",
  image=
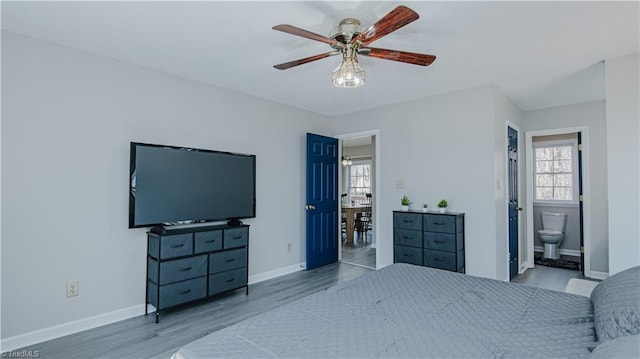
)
(598, 275)
(277, 273)
(60, 330)
(565, 252)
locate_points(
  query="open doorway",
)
(556, 235)
(358, 200)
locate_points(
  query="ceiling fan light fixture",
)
(349, 74)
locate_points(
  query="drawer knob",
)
(438, 223)
(230, 260)
(185, 292)
(230, 280)
(210, 241)
(439, 241)
(237, 237)
(407, 255)
(438, 260)
(185, 269)
(177, 245)
(407, 221)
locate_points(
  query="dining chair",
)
(364, 219)
(343, 222)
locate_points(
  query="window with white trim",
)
(359, 181)
(556, 171)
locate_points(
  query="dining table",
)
(350, 211)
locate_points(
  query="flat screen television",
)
(175, 185)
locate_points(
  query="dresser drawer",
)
(440, 241)
(407, 221)
(440, 223)
(224, 261)
(170, 246)
(207, 241)
(177, 270)
(222, 282)
(407, 237)
(440, 259)
(177, 293)
(403, 254)
(236, 237)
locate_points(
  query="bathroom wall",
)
(571, 239)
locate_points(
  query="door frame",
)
(586, 190)
(376, 186)
(521, 198)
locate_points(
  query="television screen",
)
(172, 185)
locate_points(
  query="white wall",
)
(623, 157)
(590, 115)
(441, 147)
(356, 153)
(67, 121)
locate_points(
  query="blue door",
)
(322, 200)
(513, 201)
(580, 199)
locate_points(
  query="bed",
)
(404, 311)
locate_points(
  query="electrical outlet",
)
(399, 184)
(288, 247)
(73, 288)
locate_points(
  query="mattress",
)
(405, 311)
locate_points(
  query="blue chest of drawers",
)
(429, 239)
(192, 264)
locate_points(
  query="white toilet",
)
(552, 234)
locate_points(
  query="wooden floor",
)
(548, 277)
(140, 337)
(359, 252)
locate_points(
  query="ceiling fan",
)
(350, 40)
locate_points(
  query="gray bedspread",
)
(410, 311)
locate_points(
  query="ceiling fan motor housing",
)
(345, 31)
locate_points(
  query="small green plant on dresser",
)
(405, 201)
(442, 205)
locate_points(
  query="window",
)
(555, 171)
(359, 181)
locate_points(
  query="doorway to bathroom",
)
(556, 206)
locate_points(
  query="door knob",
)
(519, 209)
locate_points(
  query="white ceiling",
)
(540, 54)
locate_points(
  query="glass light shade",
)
(349, 74)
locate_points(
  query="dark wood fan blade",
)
(290, 29)
(290, 64)
(402, 56)
(391, 22)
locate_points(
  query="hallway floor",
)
(360, 251)
(548, 277)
